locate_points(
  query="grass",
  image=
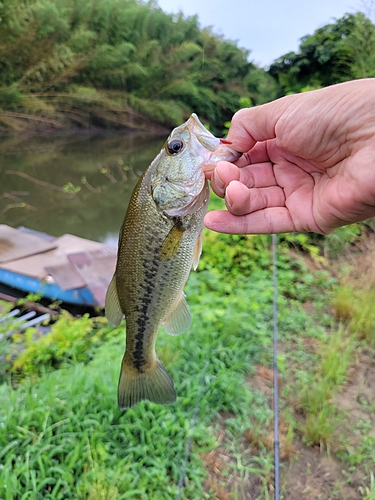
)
(63, 437)
(368, 492)
(69, 439)
(334, 357)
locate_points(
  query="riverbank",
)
(100, 120)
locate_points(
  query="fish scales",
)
(159, 241)
(140, 271)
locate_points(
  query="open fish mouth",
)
(204, 136)
(222, 153)
(220, 148)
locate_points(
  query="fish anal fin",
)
(179, 318)
(113, 310)
(154, 384)
(197, 251)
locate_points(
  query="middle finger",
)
(253, 176)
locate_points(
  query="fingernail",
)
(219, 183)
(228, 201)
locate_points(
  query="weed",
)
(322, 417)
(343, 238)
(343, 304)
(320, 426)
(356, 308)
(67, 341)
(368, 492)
(336, 354)
(363, 453)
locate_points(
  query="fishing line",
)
(275, 393)
(275, 373)
(191, 432)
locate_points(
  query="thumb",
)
(251, 125)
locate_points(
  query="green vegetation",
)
(64, 425)
(64, 339)
(126, 63)
(335, 356)
(118, 63)
(337, 52)
(63, 437)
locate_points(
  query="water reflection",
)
(78, 184)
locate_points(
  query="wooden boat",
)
(68, 268)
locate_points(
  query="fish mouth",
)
(220, 148)
(204, 136)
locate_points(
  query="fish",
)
(159, 242)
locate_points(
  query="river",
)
(76, 183)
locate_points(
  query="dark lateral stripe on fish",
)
(138, 353)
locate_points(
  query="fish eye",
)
(175, 146)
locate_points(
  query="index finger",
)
(257, 154)
(257, 124)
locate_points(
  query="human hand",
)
(308, 163)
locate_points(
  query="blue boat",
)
(52, 291)
(68, 268)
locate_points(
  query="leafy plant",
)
(67, 341)
(336, 52)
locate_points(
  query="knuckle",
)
(247, 178)
(239, 115)
(257, 199)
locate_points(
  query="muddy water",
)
(77, 183)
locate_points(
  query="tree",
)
(337, 52)
(107, 60)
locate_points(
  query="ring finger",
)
(241, 200)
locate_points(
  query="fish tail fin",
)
(154, 384)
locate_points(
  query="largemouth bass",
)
(160, 240)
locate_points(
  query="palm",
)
(315, 198)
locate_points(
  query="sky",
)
(268, 28)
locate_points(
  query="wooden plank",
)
(35, 265)
(15, 244)
(66, 276)
(97, 269)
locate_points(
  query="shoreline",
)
(13, 124)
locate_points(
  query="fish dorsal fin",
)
(113, 310)
(197, 251)
(179, 319)
(172, 242)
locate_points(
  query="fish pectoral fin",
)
(172, 242)
(179, 319)
(197, 251)
(113, 310)
(154, 384)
